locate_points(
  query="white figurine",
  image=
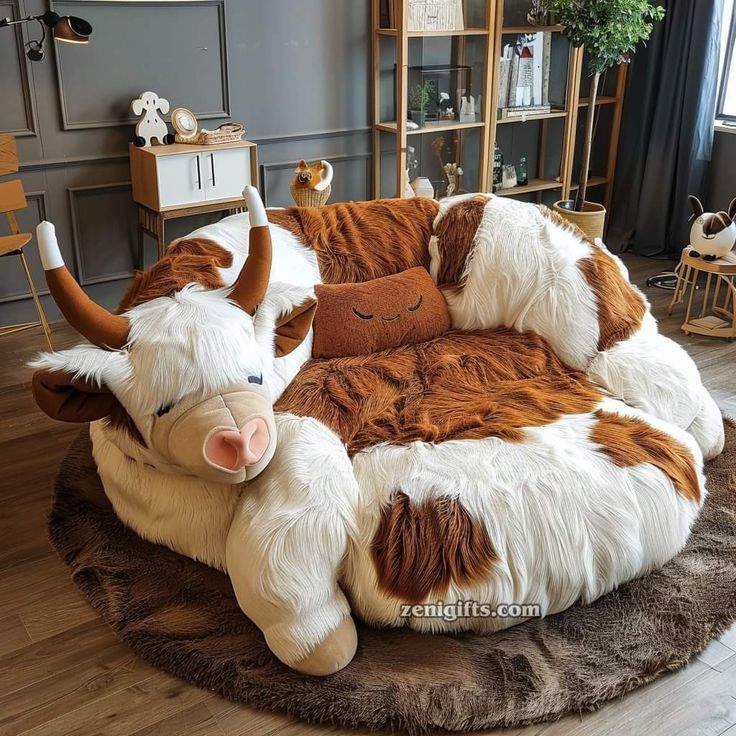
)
(150, 125)
(467, 109)
(713, 234)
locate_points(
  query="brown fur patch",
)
(419, 549)
(191, 260)
(621, 307)
(359, 241)
(629, 441)
(462, 385)
(455, 234)
(119, 419)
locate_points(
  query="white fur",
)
(523, 272)
(567, 524)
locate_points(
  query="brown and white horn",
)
(252, 282)
(97, 324)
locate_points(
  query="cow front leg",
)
(286, 545)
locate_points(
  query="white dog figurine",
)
(712, 234)
(150, 125)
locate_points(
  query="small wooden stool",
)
(712, 312)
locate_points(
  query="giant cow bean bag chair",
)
(529, 442)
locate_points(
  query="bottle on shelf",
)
(522, 172)
(497, 167)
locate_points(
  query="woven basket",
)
(226, 133)
(591, 221)
(310, 197)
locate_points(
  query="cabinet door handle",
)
(212, 166)
(199, 175)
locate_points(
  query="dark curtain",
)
(667, 130)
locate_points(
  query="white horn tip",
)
(256, 210)
(326, 176)
(48, 246)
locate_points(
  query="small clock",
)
(185, 123)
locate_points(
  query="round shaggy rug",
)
(182, 617)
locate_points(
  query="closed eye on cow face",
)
(164, 410)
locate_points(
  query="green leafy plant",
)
(610, 31)
(420, 96)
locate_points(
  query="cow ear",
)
(292, 328)
(732, 209)
(70, 399)
(696, 205)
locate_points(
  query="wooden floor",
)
(63, 672)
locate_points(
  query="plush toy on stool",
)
(712, 234)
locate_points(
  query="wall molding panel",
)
(72, 120)
(336, 161)
(76, 194)
(295, 73)
(13, 9)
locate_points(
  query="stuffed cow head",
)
(186, 375)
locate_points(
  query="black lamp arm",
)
(49, 19)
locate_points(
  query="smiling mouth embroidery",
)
(412, 308)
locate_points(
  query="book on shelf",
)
(522, 111)
(524, 70)
(505, 76)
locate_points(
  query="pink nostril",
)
(233, 449)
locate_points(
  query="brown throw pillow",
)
(357, 319)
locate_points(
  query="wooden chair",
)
(13, 198)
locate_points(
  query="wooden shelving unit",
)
(401, 37)
(494, 30)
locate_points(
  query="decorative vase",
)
(418, 116)
(591, 220)
(422, 187)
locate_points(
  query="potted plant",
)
(419, 97)
(610, 31)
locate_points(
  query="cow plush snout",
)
(232, 450)
(226, 438)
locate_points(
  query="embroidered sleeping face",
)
(358, 319)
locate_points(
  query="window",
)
(726, 109)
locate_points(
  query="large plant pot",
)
(591, 220)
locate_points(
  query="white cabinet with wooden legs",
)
(182, 180)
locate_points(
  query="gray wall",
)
(296, 72)
(722, 172)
